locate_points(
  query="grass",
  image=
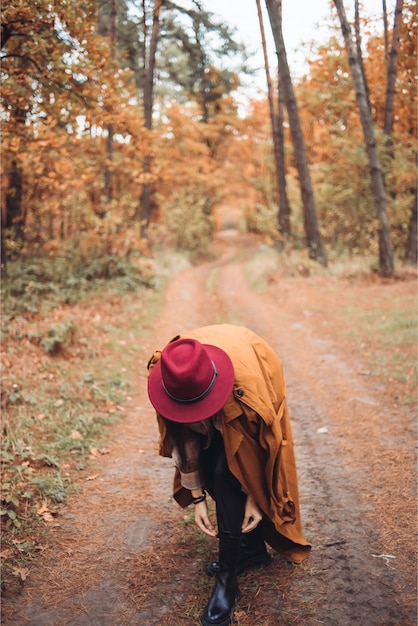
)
(67, 371)
(70, 358)
(388, 339)
(378, 321)
(39, 284)
(49, 444)
(385, 333)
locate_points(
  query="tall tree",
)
(193, 42)
(392, 69)
(386, 263)
(313, 236)
(385, 32)
(392, 55)
(110, 129)
(278, 137)
(358, 48)
(284, 204)
(146, 201)
(127, 37)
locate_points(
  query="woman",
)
(220, 399)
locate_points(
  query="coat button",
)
(239, 393)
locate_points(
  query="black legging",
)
(224, 488)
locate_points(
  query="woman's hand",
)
(252, 515)
(201, 518)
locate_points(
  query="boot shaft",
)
(229, 550)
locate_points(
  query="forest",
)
(122, 130)
(149, 185)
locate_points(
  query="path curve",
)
(127, 510)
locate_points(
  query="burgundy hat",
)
(191, 381)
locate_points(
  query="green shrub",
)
(31, 283)
(189, 220)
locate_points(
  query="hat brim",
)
(196, 411)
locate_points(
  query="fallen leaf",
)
(45, 513)
(6, 554)
(43, 509)
(21, 573)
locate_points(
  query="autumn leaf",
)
(43, 509)
(21, 573)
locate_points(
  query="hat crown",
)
(187, 371)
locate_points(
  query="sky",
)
(303, 21)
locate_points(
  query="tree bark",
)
(146, 202)
(108, 182)
(385, 32)
(150, 68)
(392, 69)
(3, 257)
(359, 52)
(109, 141)
(15, 216)
(313, 236)
(386, 264)
(278, 139)
(284, 205)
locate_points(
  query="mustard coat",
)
(257, 435)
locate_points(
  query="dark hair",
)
(184, 438)
(175, 432)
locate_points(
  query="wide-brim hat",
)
(191, 381)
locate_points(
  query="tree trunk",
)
(150, 68)
(109, 141)
(313, 236)
(386, 32)
(146, 202)
(108, 182)
(392, 69)
(284, 206)
(15, 217)
(359, 52)
(278, 138)
(3, 257)
(391, 56)
(386, 264)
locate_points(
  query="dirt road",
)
(116, 556)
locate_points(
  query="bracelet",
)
(198, 499)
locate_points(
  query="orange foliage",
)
(61, 90)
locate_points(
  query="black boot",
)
(225, 592)
(253, 553)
